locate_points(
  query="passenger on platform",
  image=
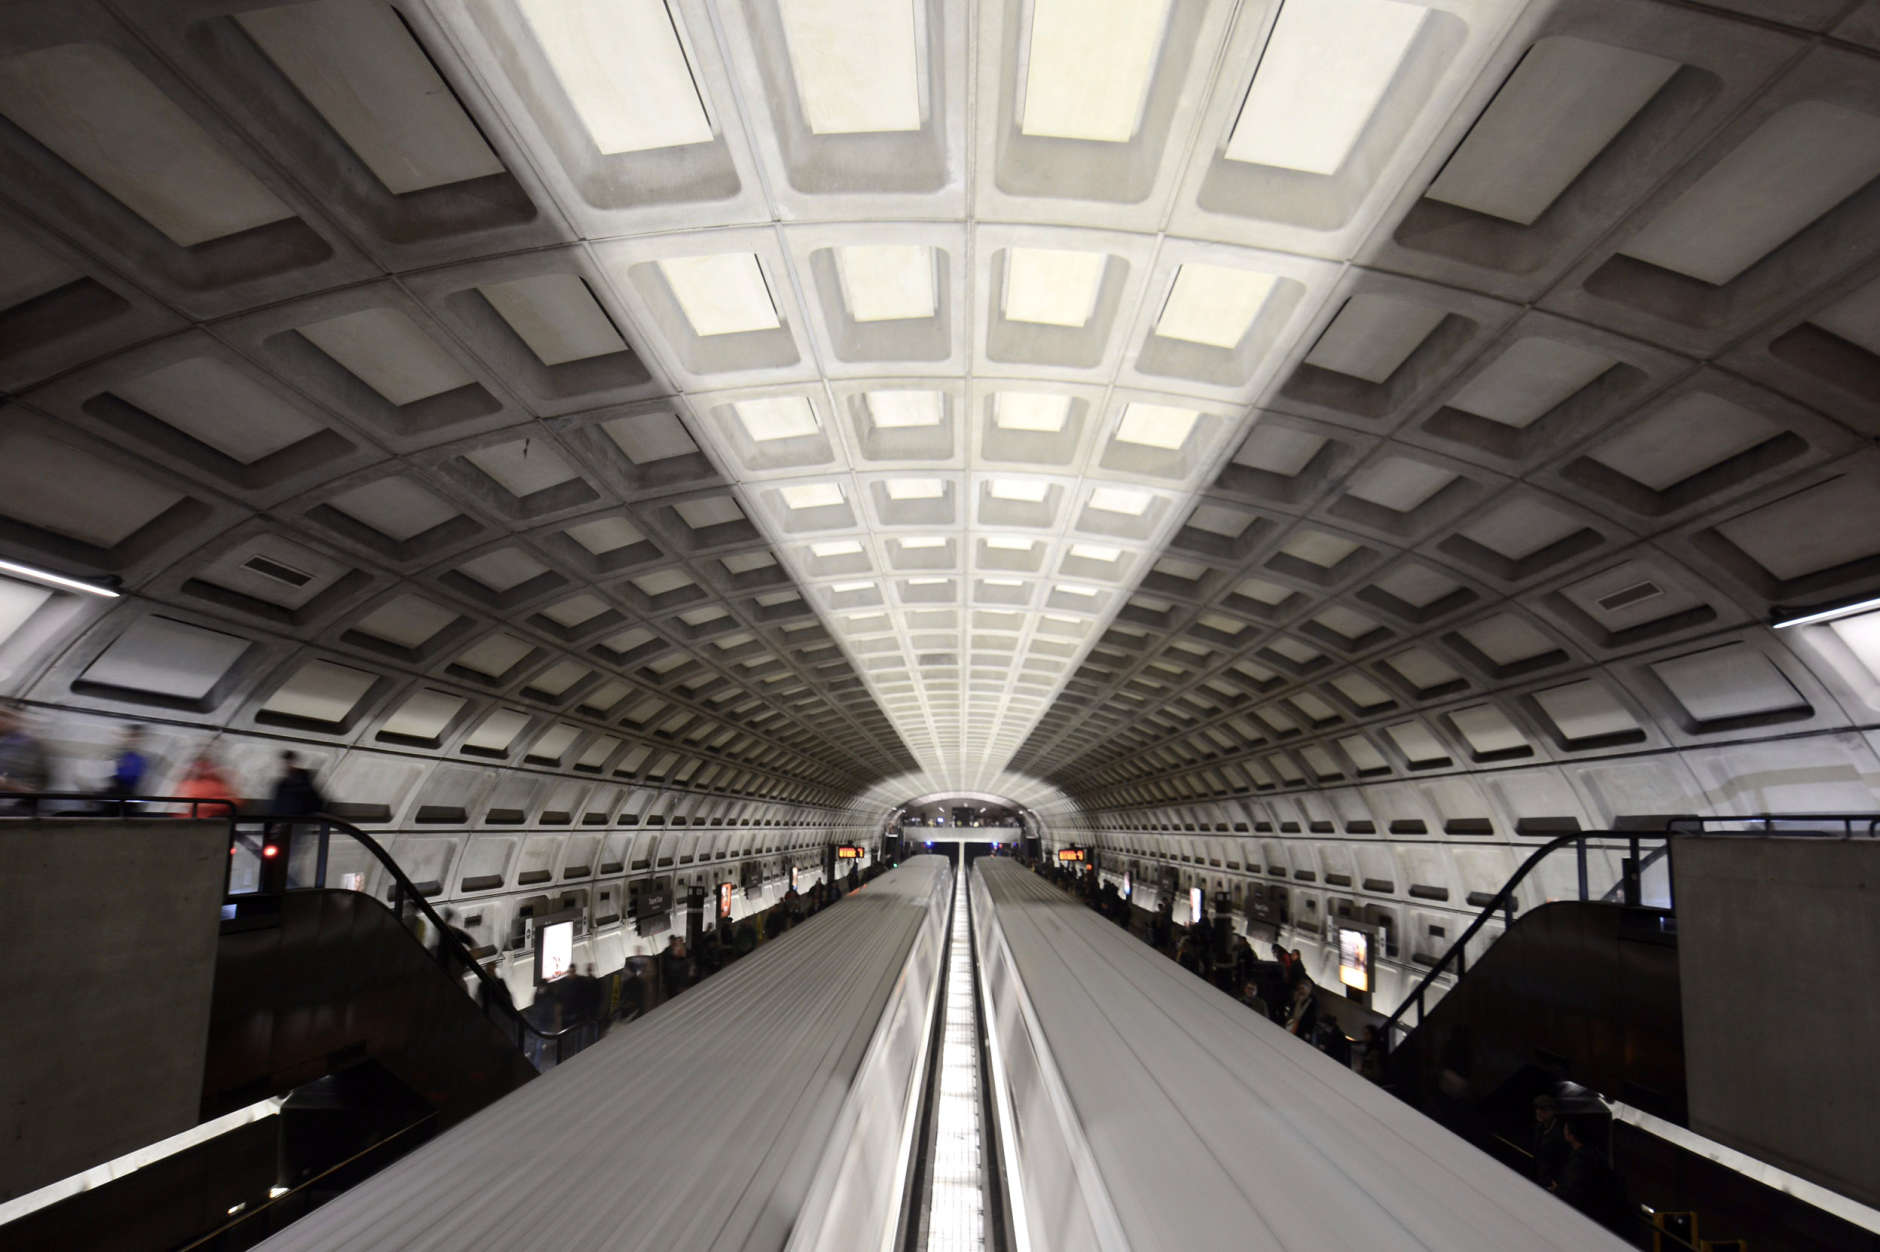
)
(1250, 996)
(1276, 990)
(1305, 1009)
(1376, 1053)
(296, 795)
(792, 906)
(1550, 1142)
(23, 764)
(1588, 1182)
(675, 968)
(295, 792)
(451, 958)
(1296, 967)
(495, 992)
(588, 996)
(204, 780)
(129, 768)
(1331, 1039)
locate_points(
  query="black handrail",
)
(1504, 903)
(31, 800)
(496, 995)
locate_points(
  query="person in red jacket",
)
(205, 781)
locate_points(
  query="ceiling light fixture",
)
(1811, 617)
(51, 579)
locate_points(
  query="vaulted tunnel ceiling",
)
(1134, 400)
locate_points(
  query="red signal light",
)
(231, 849)
(270, 851)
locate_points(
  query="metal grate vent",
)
(1626, 597)
(279, 573)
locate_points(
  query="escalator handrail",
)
(122, 804)
(1681, 827)
(497, 993)
(1502, 903)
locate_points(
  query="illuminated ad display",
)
(1354, 959)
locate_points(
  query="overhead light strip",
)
(55, 580)
(1815, 616)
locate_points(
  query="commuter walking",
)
(295, 792)
(1588, 1182)
(23, 765)
(1305, 1009)
(1551, 1148)
(205, 781)
(129, 769)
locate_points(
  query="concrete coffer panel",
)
(113, 926)
(1779, 953)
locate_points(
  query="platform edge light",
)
(55, 580)
(1812, 617)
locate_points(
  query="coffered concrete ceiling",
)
(1133, 401)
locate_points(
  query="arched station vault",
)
(1361, 416)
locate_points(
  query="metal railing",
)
(71, 804)
(544, 1048)
(269, 838)
(1627, 890)
(279, 1210)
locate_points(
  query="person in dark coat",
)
(1549, 1142)
(1304, 1016)
(1589, 1184)
(295, 793)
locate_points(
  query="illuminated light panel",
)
(721, 294)
(1028, 490)
(855, 63)
(812, 495)
(1121, 500)
(836, 547)
(621, 63)
(1077, 589)
(1090, 65)
(886, 282)
(1326, 66)
(899, 410)
(1030, 410)
(916, 488)
(851, 586)
(1011, 543)
(1156, 426)
(924, 541)
(776, 417)
(1213, 305)
(1095, 552)
(1052, 286)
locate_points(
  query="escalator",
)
(1583, 992)
(332, 1041)
(336, 980)
(1582, 1001)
